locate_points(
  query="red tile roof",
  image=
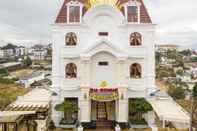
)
(144, 16)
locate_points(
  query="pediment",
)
(104, 46)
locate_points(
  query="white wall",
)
(115, 49)
(103, 73)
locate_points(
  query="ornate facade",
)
(103, 55)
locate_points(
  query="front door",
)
(101, 111)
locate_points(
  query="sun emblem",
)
(92, 3)
(103, 84)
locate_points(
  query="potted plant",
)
(69, 108)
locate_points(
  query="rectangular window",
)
(74, 14)
(132, 13)
(103, 63)
(103, 33)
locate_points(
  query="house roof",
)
(37, 99)
(174, 112)
(33, 75)
(144, 16)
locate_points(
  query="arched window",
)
(135, 71)
(71, 39)
(135, 39)
(71, 71)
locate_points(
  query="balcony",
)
(70, 84)
(137, 51)
(136, 84)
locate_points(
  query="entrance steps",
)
(104, 124)
(98, 130)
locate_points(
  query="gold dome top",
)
(92, 3)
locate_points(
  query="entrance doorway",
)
(103, 114)
(103, 111)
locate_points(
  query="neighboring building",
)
(20, 51)
(192, 69)
(38, 52)
(194, 53)
(165, 47)
(30, 112)
(103, 58)
(7, 51)
(11, 66)
(30, 79)
(12, 51)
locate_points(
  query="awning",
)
(37, 100)
(168, 110)
(15, 113)
(11, 119)
(104, 94)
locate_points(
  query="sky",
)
(28, 22)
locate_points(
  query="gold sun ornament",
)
(93, 3)
(103, 84)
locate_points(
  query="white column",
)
(122, 105)
(41, 125)
(164, 123)
(117, 110)
(123, 111)
(56, 115)
(84, 105)
(85, 73)
(121, 72)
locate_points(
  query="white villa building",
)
(104, 56)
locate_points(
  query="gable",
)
(104, 46)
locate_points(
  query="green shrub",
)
(6, 81)
(137, 107)
(15, 79)
(176, 92)
(3, 72)
(195, 90)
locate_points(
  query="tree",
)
(194, 110)
(136, 109)
(3, 72)
(69, 108)
(158, 57)
(195, 90)
(163, 72)
(186, 52)
(9, 46)
(27, 62)
(194, 59)
(179, 72)
(176, 92)
(66, 105)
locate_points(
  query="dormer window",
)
(132, 11)
(74, 12)
(132, 14)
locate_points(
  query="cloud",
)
(176, 21)
(28, 21)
